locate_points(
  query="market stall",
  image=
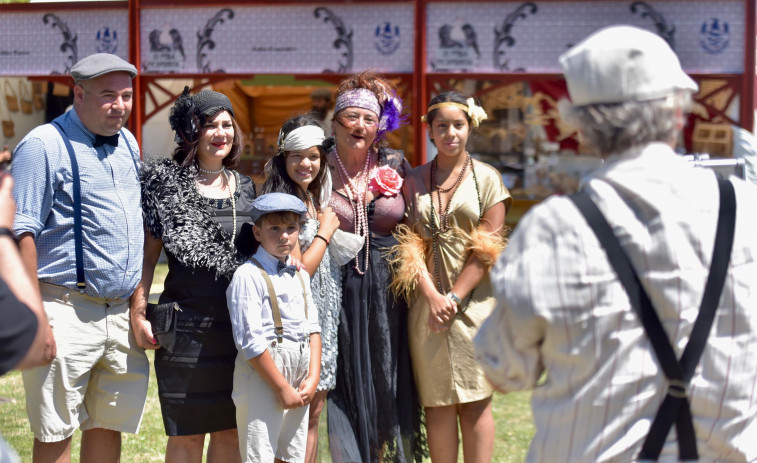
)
(268, 57)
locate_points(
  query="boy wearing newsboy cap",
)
(275, 325)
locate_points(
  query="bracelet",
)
(9, 233)
(455, 298)
(321, 237)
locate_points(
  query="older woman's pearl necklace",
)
(358, 194)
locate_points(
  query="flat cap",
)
(100, 64)
(622, 63)
(276, 202)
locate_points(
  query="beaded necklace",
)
(311, 205)
(437, 231)
(358, 193)
(444, 214)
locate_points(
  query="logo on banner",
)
(387, 38)
(106, 41)
(714, 36)
(166, 52)
(458, 48)
(68, 47)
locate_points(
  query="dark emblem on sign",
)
(458, 47)
(387, 38)
(107, 41)
(68, 46)
(663, 30)
(166, 52)
(343, 40)
(504, 39)
(167, 41)
(714, 36)
(459, 37)
(204, 40)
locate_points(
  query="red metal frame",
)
(419, 81)
(747, 88)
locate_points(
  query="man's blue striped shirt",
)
(113, 235)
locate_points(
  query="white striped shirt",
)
(563, 311)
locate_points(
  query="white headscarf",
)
(301, 138)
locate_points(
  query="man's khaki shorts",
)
(99, 376)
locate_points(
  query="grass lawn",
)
(512, 415)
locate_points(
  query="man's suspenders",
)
(78, 246)
(675, 407)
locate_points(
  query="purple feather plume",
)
(391, 115)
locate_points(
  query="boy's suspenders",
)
(278, 326)
(78, 233)
(675, 407)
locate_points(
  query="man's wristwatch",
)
(9, 233)
(455, 298)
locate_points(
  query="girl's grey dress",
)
(327, 295)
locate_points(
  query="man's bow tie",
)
(284, 268)
(101, 140)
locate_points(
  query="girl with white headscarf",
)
(300, 168)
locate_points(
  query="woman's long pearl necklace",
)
(233, 207)
(357, 193)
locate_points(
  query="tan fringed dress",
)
(445, 369)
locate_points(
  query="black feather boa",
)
(175, 213)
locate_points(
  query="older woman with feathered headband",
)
(373, 413)
(194, 208)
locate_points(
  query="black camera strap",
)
(675, 407)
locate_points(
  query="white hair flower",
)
(475, 112)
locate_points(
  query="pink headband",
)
(357, 98)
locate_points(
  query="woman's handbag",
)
(163, 318)
(10, 97)
(26, 98)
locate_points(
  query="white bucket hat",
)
(622, 63)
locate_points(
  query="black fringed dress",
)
(373, 413)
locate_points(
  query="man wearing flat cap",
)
(629, 307)
(79, 224)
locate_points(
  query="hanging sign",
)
(44, 43)
(304, 39)
(507, 36)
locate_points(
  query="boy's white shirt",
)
(250, 305)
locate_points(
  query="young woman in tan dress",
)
(454, 230)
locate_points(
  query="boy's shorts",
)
(99, 376)
(266, 430)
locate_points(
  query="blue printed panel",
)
(278, 39)
(43, 43)
(507, 36)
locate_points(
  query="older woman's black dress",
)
(373, 413)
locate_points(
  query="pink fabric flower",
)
(386, 180)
